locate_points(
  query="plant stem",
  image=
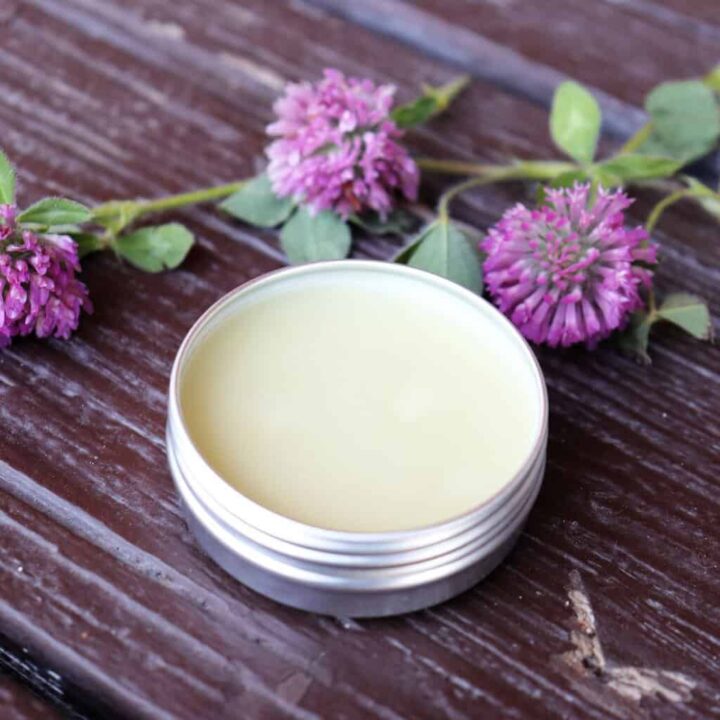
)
(665, 203)
(637, 139)
(447, 197)
(650, 224)
(116, 215)
(445, 94)
(529, 170)
(523, 170)
(652, 304)
(189, 198)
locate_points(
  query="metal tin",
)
(346, 574)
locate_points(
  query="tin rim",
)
(375, 576)
(205, 481)
(353, 558)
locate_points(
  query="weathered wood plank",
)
(106, 99)
(702, 16)
(530, 47)
(17, 702)
(589, 41)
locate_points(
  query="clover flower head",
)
(337, 148)
(569, 271)
(39, 290)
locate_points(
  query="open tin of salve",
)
(356, 438)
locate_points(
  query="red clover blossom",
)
(337, 149)
(39, 291)
(569, 271)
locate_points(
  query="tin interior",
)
(284, 529)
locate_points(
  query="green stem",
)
(445, 94)
(660, 208)
(523, 170)
(447, 197)
(650, 224)
(651, 303)
(530, 170)
(637, 139)
(116, 215)
(189, 198)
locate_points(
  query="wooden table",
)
(18, 702)
(106, 603)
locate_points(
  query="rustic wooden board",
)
(101, 582)
(589, 41)
(18, 702)
(698, 16)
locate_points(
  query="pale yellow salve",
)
(362, 401)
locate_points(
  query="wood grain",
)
(18, 702)
(105, 99)
(589, 41)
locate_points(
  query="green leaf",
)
(70, 229)
(397, 222)
(685, 120)
(708, 199)
(575, 121)
(688, 312)
(257, 204)
(87, 243)
(434, 100)
(712, 79)
(444, 250)
(7, 180)
(601, 177)
(405, 253)
(155, 248)
(415, 113)
(116, 215)
(51, 212)
(569, 178)
(310, 238)
(633, 341)
(623, 169)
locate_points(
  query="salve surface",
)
(361, 401)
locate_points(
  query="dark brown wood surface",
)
(106, 604)
(19, 702)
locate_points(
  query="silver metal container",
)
(345, 574)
